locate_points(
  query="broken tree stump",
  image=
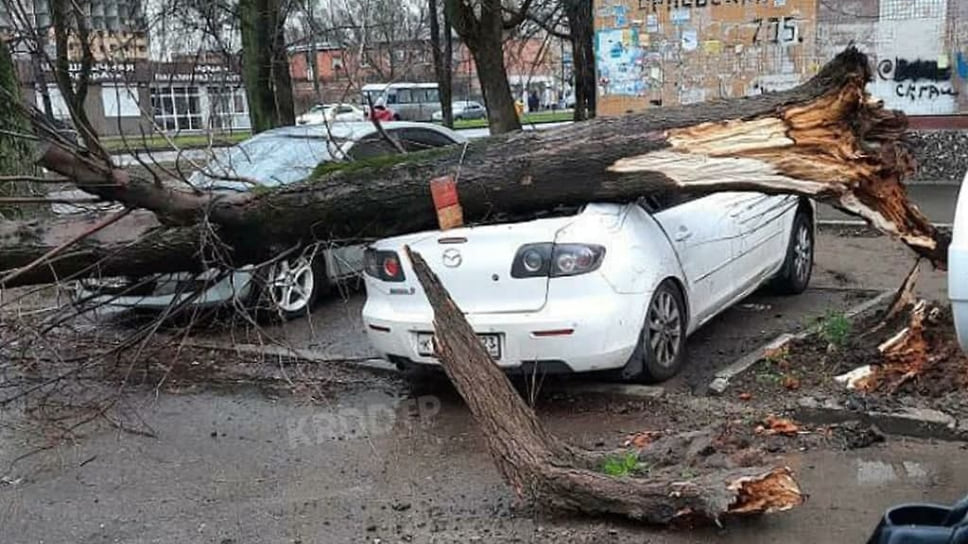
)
(548, 472)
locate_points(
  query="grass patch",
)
(156, 142)
(621, 465)
(536, 118)
(835, 329)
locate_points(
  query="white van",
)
(408, 101)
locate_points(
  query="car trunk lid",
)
(474, 264)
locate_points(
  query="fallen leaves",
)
(746, 396)
(642, 439)
(774, 425)
(790, 383)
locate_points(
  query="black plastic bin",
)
(923, 524)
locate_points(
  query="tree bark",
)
(484, 37)
(579, 15)
(441, 55)
(825, 139)
(265, 64)
(16, 154)
(546, 471)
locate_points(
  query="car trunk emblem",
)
(452, 258)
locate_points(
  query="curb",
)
(912, 422)
(722, 378)
(861, 223)
(307, 355)
(648, 392)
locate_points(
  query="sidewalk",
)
(936, 201)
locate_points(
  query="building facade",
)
(146, 97)
(667, 52)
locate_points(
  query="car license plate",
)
(492, 342)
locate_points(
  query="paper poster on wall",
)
(620, 13)
(619, 62)
(651, 23)
(679, 16)
(690, 40)
(712, 47)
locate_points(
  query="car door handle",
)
(683, 234)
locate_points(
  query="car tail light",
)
(384, 265)
(554, 260)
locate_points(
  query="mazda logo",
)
(452, 258)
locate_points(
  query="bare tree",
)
(265, 63)
(572, 20)
(443, 58)
(481, 24)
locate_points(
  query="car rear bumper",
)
(584, 337)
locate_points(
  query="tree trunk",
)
(484, 37)
(260, 22)
(441, 54)
(548, 472)
(825, 139)
(492, 74)
(281, 78)
(16, 154)
(579, 16)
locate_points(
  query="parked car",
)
(331, 113)
(463, 109)
(958, 266)
(274, 157)
(611, 287)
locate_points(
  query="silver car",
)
(293, 282)
(464, 109)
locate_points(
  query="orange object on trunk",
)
(444, 192)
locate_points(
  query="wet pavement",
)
(377, 467)
(381, 462)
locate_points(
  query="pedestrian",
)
(534, 103)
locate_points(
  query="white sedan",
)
(331, 113)
(610, 287)
(958, 267)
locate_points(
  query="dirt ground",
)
(270, 451)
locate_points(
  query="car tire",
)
(794, 276)
(661, 347)
(290, 287)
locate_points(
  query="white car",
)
(275, 157)
(331, 113)
(958, 266)
(611, 287)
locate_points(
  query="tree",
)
(16, 153)
(481, 24)
(572, 20)
(443, 59)
(265, 63)
(824, 139)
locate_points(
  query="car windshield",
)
(271, 159)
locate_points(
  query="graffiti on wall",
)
(918, 79)
(914, 70)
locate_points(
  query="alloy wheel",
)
(291, 284)
(665, 329)
(802, 254)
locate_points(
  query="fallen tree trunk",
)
(548, 472)
(826, 139)
(136, 245)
